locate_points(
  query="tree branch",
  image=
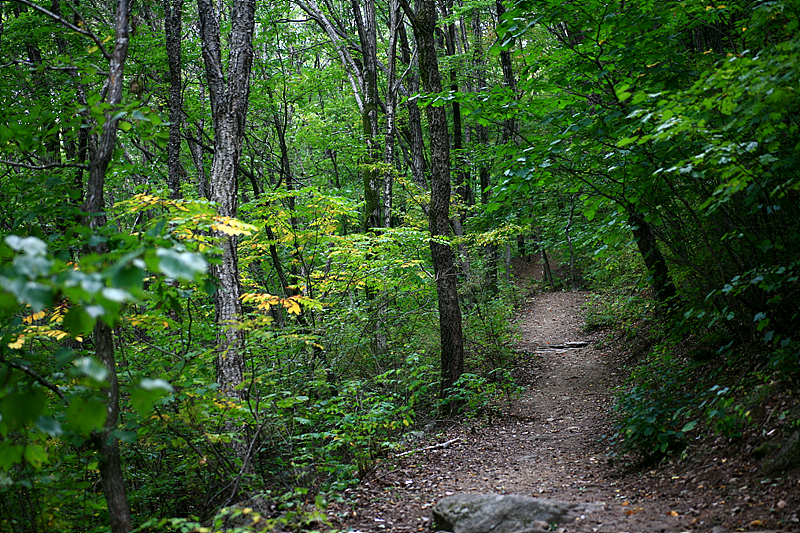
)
(61, 20)
(35, 375)
(43, 167)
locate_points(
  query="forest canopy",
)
(249, 245)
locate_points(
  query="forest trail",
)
(549, 443)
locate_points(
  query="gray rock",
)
(498, 513)
(788, 458)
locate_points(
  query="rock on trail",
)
(496, 513)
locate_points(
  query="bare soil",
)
(552, 442)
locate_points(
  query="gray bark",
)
(367, 36)
(413, 131)
(451, 334)
(509, 125)
(482, 137)
(353, 72)
(173, 10)
(94, 205)
(660, 280)
(229, 97)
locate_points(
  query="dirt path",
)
(547, 444)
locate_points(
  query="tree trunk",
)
(173, 11)
(367, 35)
(229, 97)
(452, 339)
(391, 113)
(567, 229)
(110, 466)
(509, 124)
(94, 205)
(481, 134)
(413, 131)
(663, 288)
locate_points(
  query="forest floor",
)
(552, 442)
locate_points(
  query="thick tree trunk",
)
(173, 10)
(452, 339)
(229, 97)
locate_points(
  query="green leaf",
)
(147, 393)
(78, 322)
(689, 426)
(85, 415)
(35, 455)
(32, 266)
(22, 407)
(49, 425)
(10, 454)
(180, 265)
(28, 245)
(38, 296)
(93, 368)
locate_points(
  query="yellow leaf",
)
(292, 307)
(228, 230)
(17, 344)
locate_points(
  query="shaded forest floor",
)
(551, 442)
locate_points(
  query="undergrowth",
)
(674, 394)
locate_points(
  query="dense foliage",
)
(253, 273)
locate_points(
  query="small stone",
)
(781, 505)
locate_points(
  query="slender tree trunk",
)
(481, 134)
(413, 131)
(173, 10)
(461, 177)
(509, 124)
(567, 229)
(452, 339)
(391, 112)
(349, 65)
(546, 272)
(367, 35)
(110, 466)
(663, 288)
(229, 97)
(94, 205)
(197, 158)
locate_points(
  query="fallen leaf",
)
(673, 513)
(755, 523)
